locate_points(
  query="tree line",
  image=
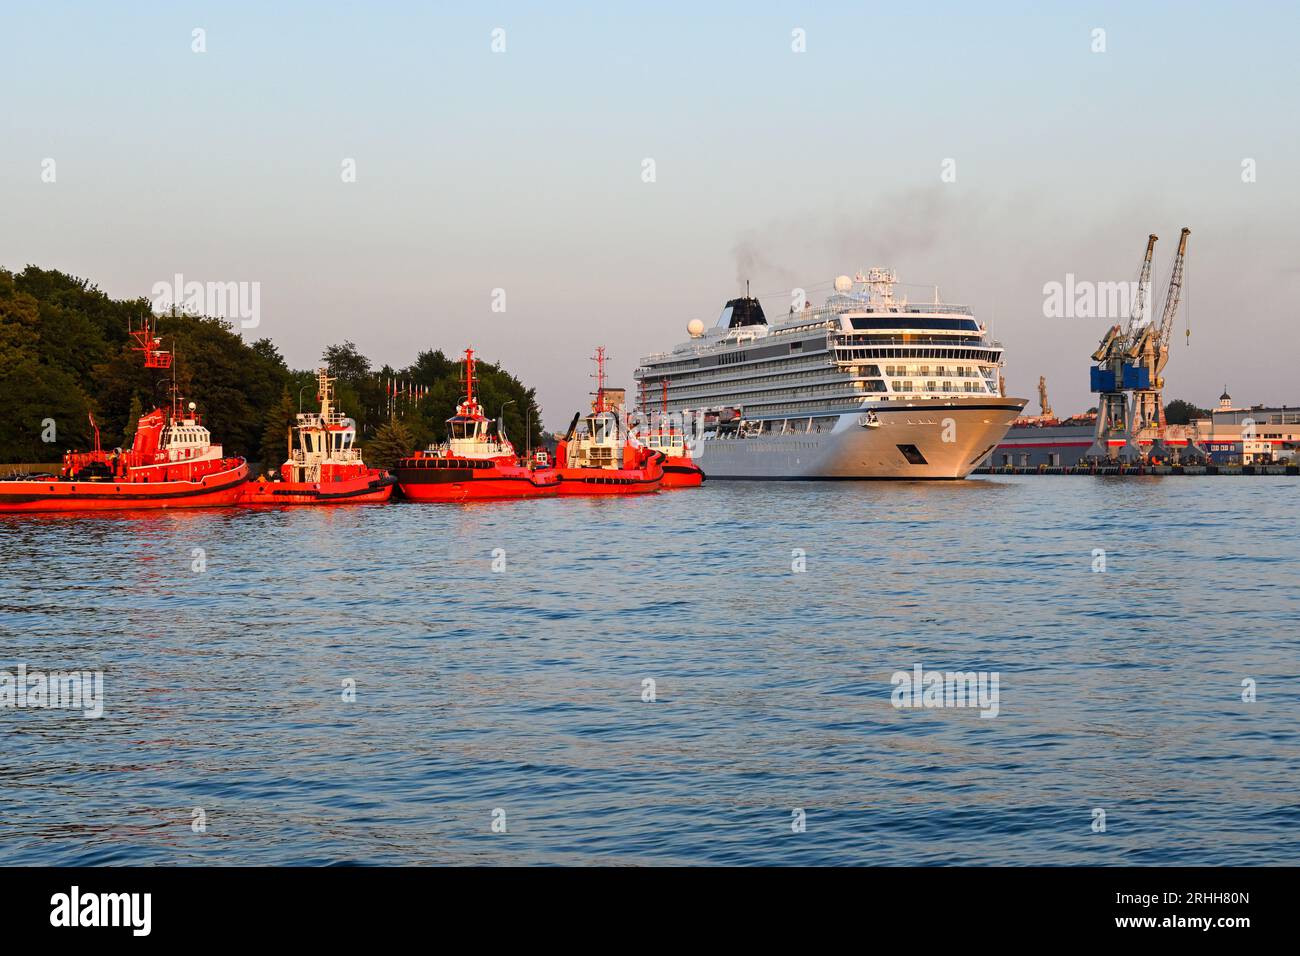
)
(66, 354)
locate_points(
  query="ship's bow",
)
(927, 439)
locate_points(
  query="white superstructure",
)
(184, 439)
(867, 386)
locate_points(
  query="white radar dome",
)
(843, 284)
(695, 328)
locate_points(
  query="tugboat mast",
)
(154, 355)
(469, 376)
(598, 406)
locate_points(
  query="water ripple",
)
(521, 691)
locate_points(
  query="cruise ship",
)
(867, 386)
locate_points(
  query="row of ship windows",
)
(879, 340)
(904, 387)
(925, 371)
(814, 359)
(691, 371)
(931, 386)
(969, 355)
(815, 366)
(801, 407)
(184, 435)
(731, 395)
(796, 407)
(773, 405)
(733, 358)
(817, 370)
(725, 395)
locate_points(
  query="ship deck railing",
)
(298, 456)
(315, 420)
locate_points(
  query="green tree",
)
(279, 427)
(345, 363)
(132, 420)
(66, 349)
(432, 366)
(1179, 412)
(42, 400)
(392, 441)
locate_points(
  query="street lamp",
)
(501, 417)
(300, 391)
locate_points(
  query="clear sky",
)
(523, 170)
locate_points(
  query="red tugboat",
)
(473, 463)
(171, 463)
(326, 468)
(603, 459)
(680, 471)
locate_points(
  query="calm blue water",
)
(521, 690)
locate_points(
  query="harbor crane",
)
(1150, 350)
(1116, 373)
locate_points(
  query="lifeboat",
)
(602, 457)
(476, 462)
(326, 468)
(171, 463)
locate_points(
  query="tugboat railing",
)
(298, 456)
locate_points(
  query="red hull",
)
(53, 494)
(682, 473)
(452, 479)
(375, 487)
(609, 481)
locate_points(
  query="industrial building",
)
(1258, 434)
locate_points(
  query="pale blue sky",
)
(522, 170)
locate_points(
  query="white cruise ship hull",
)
(942, 438)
